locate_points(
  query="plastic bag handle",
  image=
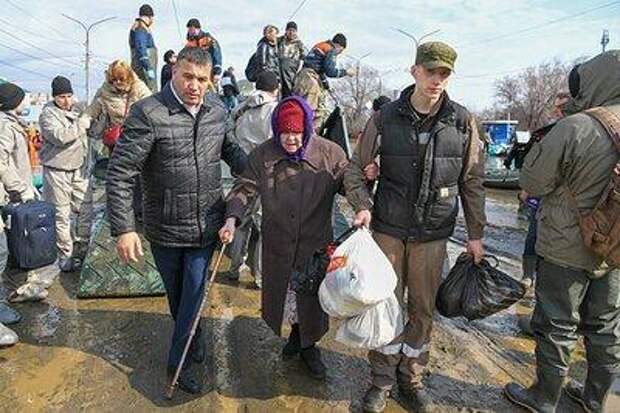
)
(346, 235)
(494, 258)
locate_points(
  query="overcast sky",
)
(492, 38)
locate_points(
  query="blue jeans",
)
(183, 271)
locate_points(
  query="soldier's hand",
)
(129, 247)
(371, 171)
(227, 232)
(475, 249)
(362, 218)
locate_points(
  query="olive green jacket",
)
(577, 154)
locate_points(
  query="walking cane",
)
(175, 378)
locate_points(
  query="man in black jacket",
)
(175, 140)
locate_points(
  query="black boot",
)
(293, 346)
(375, 400)
(186, 381)
(593, 395)
(311, 356)
(8, 315)
(542, 397)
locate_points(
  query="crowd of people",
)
(154, 158)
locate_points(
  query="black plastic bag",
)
(307, 279)
(477, 291)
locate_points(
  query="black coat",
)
(166, 75)
(179, 158)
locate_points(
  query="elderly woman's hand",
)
(227, 232)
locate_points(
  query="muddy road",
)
(109, 355)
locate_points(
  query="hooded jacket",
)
(15, 170)
(253, 120)
(267, 57)
(577, 154)
(64, 141)
(142, 46)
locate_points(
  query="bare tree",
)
(528, 96)
(355, 95)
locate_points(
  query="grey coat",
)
(179, 158)
(64, 141)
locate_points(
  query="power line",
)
(32, 16)
(176, 17)
(539, 26)
(32, 33)
(38, 48)
(297, 9)
(25, 70)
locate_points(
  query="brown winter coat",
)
(297, 203)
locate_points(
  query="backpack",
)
(600, 228)
(251, 70)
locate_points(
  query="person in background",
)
(143, 49)
(253, 127)
(291, 52)
(63, 156)
(166, 72)
(267, 58)
(16, 179)
(110, 106)
(230, 88)
(196, 37)
(319, 64)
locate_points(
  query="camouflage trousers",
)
(418, 266)
(308, 85)
(65, 189)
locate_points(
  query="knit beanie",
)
(267, 81)
(340, 39)
(61, 85)
(11, 96)
(291, 118)
(146, 10)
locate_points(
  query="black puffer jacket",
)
(179, 159)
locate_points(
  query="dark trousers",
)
(530, 259)
(569, 302)
(183, 271)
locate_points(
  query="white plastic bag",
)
(366, 278)
(375, 327)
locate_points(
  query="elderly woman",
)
(296, 175)
(109, 108)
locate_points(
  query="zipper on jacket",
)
(196, 124)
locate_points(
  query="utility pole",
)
(416, 40)
(605, 39)
(87, 49)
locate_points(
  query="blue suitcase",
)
(31, 234)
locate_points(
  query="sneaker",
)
(28, 292)
(375, 400)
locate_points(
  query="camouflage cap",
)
(432, 55)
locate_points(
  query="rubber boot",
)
(592, 397)
(541, 397)
(311, 358)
